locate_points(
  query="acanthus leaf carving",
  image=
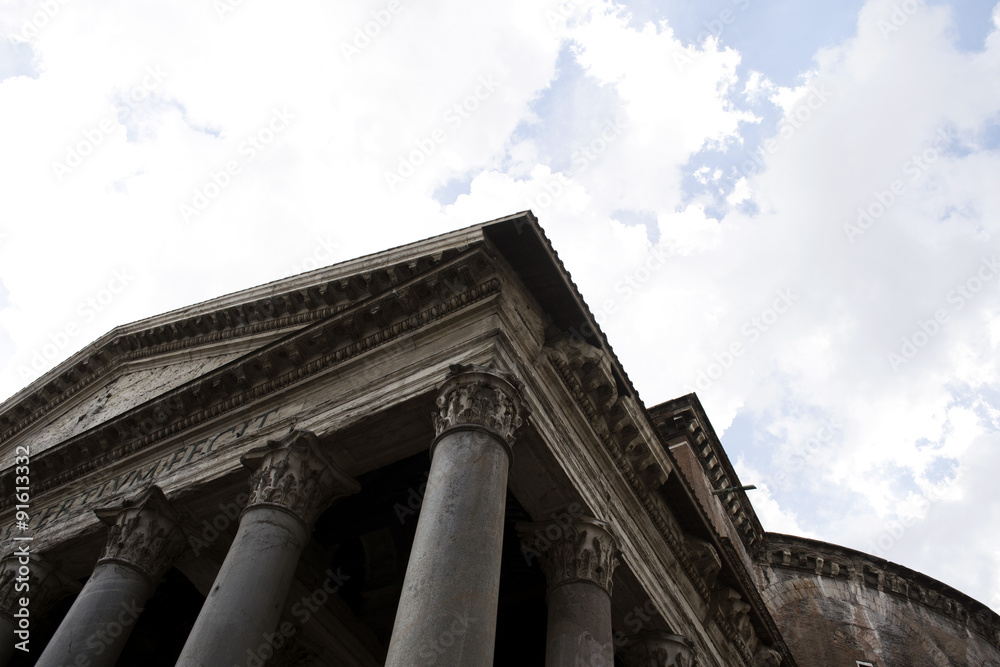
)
(144, 532)
(294, 474)
(481, 397)
(584, 550)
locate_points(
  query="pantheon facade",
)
(426, 456)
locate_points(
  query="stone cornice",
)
(831, 561)
(366, 325)
(684, 418)
(764, 623)
(303, 303)
(586, 376)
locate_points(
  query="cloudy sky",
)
(791, 208)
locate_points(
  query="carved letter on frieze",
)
(481, 398)
(295, 475)
(766, 657)
(585, 550)
(655, 648)
(145, 533)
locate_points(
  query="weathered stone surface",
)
(448, 609)
(836, 606)
(659, 649)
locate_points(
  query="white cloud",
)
(863, 120)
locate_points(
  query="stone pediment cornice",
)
(684, 418)
(830, 561)
(433, 288)
(586, 372)
(225, 319)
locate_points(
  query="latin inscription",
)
(141, 475)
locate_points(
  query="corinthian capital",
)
(144, 533)
(656, 648)
(44, 584)
(295, 475)
(479, 397)
(579, 550)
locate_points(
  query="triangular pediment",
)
(97, 406)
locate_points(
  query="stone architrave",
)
(579, 564)
(26, 577)
(145, 538)
(656, 648)
(292, 482)
(448, 608)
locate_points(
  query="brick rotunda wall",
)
(836, 607)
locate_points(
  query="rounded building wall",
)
(837, 607)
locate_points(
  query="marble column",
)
(292, 482)
(448, 608)
(658, 648)
(145, 537)
(26, 576)
(579, 559)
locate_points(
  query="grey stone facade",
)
(427, 456)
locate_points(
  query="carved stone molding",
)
(584, 550)
(587, 376)
(294, 474)
(480, 397)
(766, 657)
(145, 533)
(655, 648)
(44, 584)
(705, 559)
(337, 336)
(854, 568)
